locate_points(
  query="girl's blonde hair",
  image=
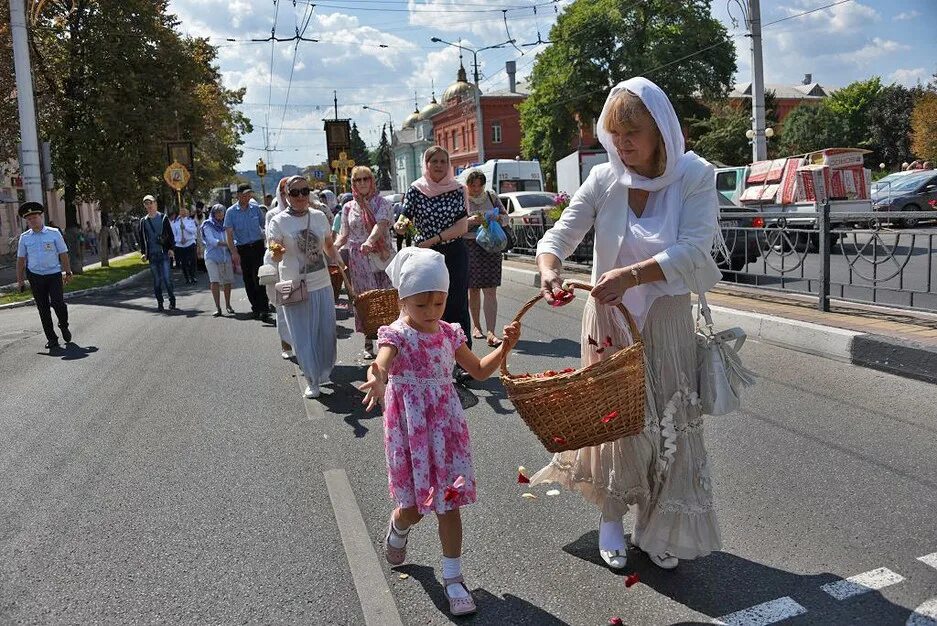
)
(625, 112)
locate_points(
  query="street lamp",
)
(479, 132)
(393, 161)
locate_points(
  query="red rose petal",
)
(608, 342)
(592, 342)
(631, 580)
(452, 494)
(522, 480)
(568, 370)
(550, 373)
(610, 417)
(615, 621)
(560, 441)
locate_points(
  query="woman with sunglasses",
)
(365, 234)
(301, 238)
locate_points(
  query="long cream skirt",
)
(663, 470)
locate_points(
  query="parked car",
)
(911, 192)
(527, 212)
(744, 246)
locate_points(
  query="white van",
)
(507, 175)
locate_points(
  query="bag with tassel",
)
(722, 375)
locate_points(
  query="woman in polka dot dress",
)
(437, 205)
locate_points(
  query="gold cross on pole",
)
(342, 164)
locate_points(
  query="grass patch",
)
(96, 277)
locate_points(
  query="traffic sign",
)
(318, 174)
(333, 178)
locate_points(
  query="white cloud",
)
(910, 77)
(875, 49)
(849, 17)
(906, 15)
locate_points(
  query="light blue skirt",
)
(311, 326)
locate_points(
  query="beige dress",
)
(664, 470)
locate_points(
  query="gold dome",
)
(460, 89)
(431, 109)
(412, 119)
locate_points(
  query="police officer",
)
(40, 257)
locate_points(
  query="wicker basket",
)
(566, 411)
(376, 308)
(335, 274)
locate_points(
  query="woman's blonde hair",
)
(362, 169)
(626, 111)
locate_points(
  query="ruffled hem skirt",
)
(663, 470)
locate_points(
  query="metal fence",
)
(867, 258)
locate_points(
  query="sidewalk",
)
(890, 340)
(8, 271)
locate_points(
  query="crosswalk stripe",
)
(924, 615)
(763, 614)
(862, 583)
(929, 559)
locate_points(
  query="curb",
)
(885, 354)
(69, 295)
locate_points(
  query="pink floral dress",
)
(426, 437)
(362, 275)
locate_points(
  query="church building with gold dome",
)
(451, 124)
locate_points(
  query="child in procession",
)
(426, 436)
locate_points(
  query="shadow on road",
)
(508, 609)
(70, 352)
(722, 583)
(557, 348)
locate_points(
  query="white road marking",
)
(377, 602)
(924, 615)
(929, 559)
(763, 614)
(862, 583)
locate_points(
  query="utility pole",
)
(29, 135)
(759, 143)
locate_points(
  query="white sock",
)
(611, 536)
(452, 568)
(398, 538)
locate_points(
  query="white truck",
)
(508, 175)
(574, 168)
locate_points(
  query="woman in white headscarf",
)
(654, 211)
(271, 269)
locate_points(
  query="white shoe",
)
(311, 393)
(664, 561)
(286, 354)
(616, 559)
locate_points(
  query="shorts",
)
(220, 272)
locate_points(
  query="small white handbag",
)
(721, 372)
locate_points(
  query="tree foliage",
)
(721, 136)
(889, 129)
(383, 161)
(812, 127)
(853, 104)
(357, 149)
(924, 127)
(598, 43)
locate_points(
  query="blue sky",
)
(379, 52)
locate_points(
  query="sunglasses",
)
(295, 193)
(361, 180)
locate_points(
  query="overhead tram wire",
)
(307, 17)
(273, 34)
(431, 10)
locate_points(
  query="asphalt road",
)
(166, 469)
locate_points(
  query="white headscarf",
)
(418, 270)
(660, 108)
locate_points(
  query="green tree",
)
(721, 136)
(889, 127)
(812, 127)
(924, 127)
(384, 159)
(853, 104)
(9, 127)
(358, 150)
(598, 43)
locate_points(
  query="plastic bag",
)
(491, 236)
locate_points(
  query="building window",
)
(496, 132)
(463, 138)
(455, 141)
(472, 136)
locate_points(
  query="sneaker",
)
(286, 354)
(160, 308)
(615, 559)
(230, 309)
(266, 319)
(66, 335)
(217, 313)
(53, 345)
(172, 307)
(311, 393)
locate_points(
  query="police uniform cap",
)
(31, 208)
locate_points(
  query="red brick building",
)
(454, 125)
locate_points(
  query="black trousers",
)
(47, 290)
(457, 310)
(185, 258)
(252, 257)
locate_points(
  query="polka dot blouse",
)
(431, 216)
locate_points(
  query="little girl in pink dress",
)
(426, 438)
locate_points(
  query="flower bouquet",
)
(560, 202)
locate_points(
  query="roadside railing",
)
(864, 257)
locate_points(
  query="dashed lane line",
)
(862, 583)
(763, 614)
(314, 410)
(929, 559)
(377, 602)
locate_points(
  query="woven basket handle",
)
(632, 325)
(348, 288)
